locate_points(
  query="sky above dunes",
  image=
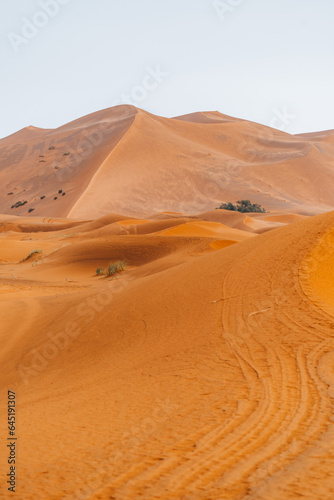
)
(263, 60)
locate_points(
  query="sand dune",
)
(204, 368)
(196, 373)
(36, 164)
(124, 160)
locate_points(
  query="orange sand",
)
(204, 369)
(127, 161)
(201, 371)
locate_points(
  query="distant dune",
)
(125, 160)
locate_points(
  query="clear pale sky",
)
(270, 61)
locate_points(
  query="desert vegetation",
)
(243, 206)
(33, 252)
(19, 204)
(112, 269)
(100, 271)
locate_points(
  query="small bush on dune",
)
(100, 271)
(19, 204)
(243, 206)
(116, 267)
(112, 269)
(229, 206)
(33, 252)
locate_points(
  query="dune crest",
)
(125, 160)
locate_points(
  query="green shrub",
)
(31, 254)
(112, 269)
(19, 204)
(116, 267)
(243, 206)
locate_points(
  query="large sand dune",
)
(203, 371)
(127, 161)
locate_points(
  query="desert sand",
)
(125, 160)
(203, 370)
